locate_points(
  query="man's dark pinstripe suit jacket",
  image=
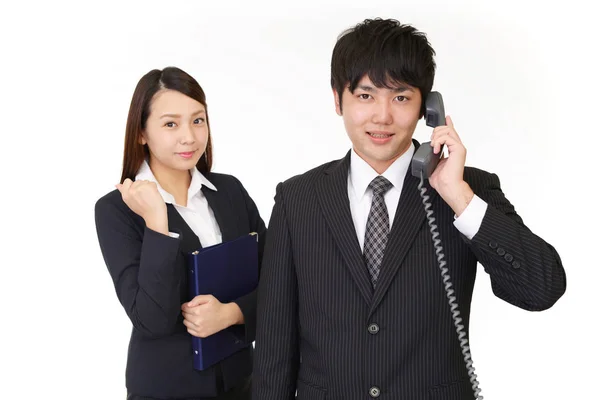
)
(324, 333)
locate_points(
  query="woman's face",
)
(176, 131)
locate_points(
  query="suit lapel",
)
(221, 206)
(332, 194)
(409, 218)
(189, 240)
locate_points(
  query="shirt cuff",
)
(470, 220)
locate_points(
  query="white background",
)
(520, 81)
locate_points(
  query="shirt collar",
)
(361, 173)
(198, 180)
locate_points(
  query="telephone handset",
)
(423, 164)
(424, 160)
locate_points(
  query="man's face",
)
(380, 122)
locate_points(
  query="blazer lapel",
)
(221, 206)
(410, 216)
(332, 194)
(189, 240)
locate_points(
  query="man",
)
(351, 304)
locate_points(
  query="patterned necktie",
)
(378, 227)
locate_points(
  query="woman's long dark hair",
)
(171, 78)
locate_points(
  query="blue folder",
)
(228, 270)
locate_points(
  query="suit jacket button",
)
(493, 244)
(508, 257)
(516, 264)
(374, 392)
(373, 329)
(501, 251)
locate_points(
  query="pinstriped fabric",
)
(324, 332)
(524, 255)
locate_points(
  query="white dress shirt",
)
(360, 176)
(197, 214)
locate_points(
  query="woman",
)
(167, 204)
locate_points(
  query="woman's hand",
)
(143, 198)
(205, 315)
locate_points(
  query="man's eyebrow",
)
(403, 88)
(397, 89)
(367, 88)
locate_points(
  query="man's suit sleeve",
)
(277, 355)
(525, 270)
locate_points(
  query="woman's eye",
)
(199, 120)
(170, 124)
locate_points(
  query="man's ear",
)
(422, 111)
(336, 99)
